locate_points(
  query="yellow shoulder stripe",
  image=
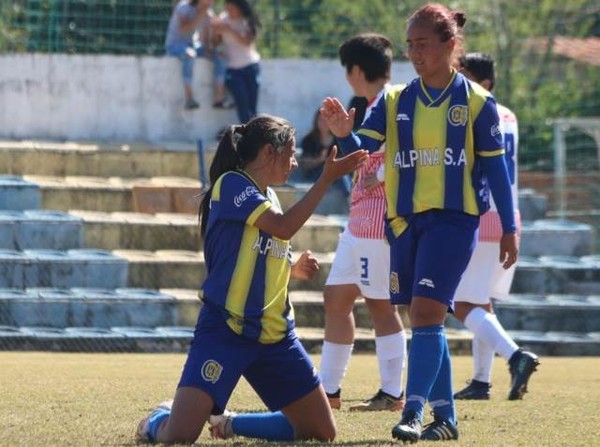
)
(257, 212)
(491, 153)
(371, 134)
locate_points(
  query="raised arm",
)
(285, 225)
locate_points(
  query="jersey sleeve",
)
(371, 134)
(486, 130)
(372, 130)
(240, 199)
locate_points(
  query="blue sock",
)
(155, 420)
(441, 397)
(424, 360)
(269, 426)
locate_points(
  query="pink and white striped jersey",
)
(490, 229)
(367, 206)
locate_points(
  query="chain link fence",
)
(114, 276)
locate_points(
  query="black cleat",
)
(409, 427)
(476, 390)
(439, 430)
(521, 366)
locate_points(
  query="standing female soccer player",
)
(246, 324)
(443, 150)
(359, 269)
(484, 277)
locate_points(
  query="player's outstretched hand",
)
(335, 168)
(305, 267)
(509, 250)
(339, 121)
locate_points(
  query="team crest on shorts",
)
(394, 283)
(457, 115)
(211, 371)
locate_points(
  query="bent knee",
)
(325, 434)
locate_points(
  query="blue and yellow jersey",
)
(434, 147)
(248, 270)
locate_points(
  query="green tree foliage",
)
(532, 79)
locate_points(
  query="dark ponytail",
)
(240, 145)
(226, 159)
(460, 18)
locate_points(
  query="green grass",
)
(97, 399)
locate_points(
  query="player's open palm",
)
(339, 121)
(335, 168)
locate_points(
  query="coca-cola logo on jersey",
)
(241, 198)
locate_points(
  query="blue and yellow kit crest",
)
(433, 147)
(248, 270)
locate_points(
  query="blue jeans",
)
(187, 62)
(243, 84)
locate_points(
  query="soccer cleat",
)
(439, 430)
(380, 402)
(335, 399)
(521, 366)
(221, 425)
(409, 428)
(142, 433)
(476, 390)
(191, 104)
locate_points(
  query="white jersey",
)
(510, 133)
(490, 227)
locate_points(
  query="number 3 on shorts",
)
(364, 268)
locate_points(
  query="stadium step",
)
(122, 230)
(97, 319)
(177, 339)
(102, 159)
(148, 195)
(550, 313)
(544, 275)
(21, 230)
(55, 268)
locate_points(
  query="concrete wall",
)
(127, 98)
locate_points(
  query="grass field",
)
(97, 399)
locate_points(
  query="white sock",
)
(488, 329)
(334, 362)
(391, 355)
(483, 360)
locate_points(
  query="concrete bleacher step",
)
(142, 320)
(556, 237)
(20, 230)
(149, 194)
(88, 307)
(550, 313)
(168, 194)
(103, 159)
(56, 268)
(18, 194)
(122, 230)
(177, 339)
(544, 275)
(557, 275)
(162, 339)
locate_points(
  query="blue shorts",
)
(430, 256)
(280, 373)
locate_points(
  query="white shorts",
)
(363, 262)
(485, 277)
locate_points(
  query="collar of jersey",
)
(426, 97)
(249, 177)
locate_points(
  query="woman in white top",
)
(237, 27)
